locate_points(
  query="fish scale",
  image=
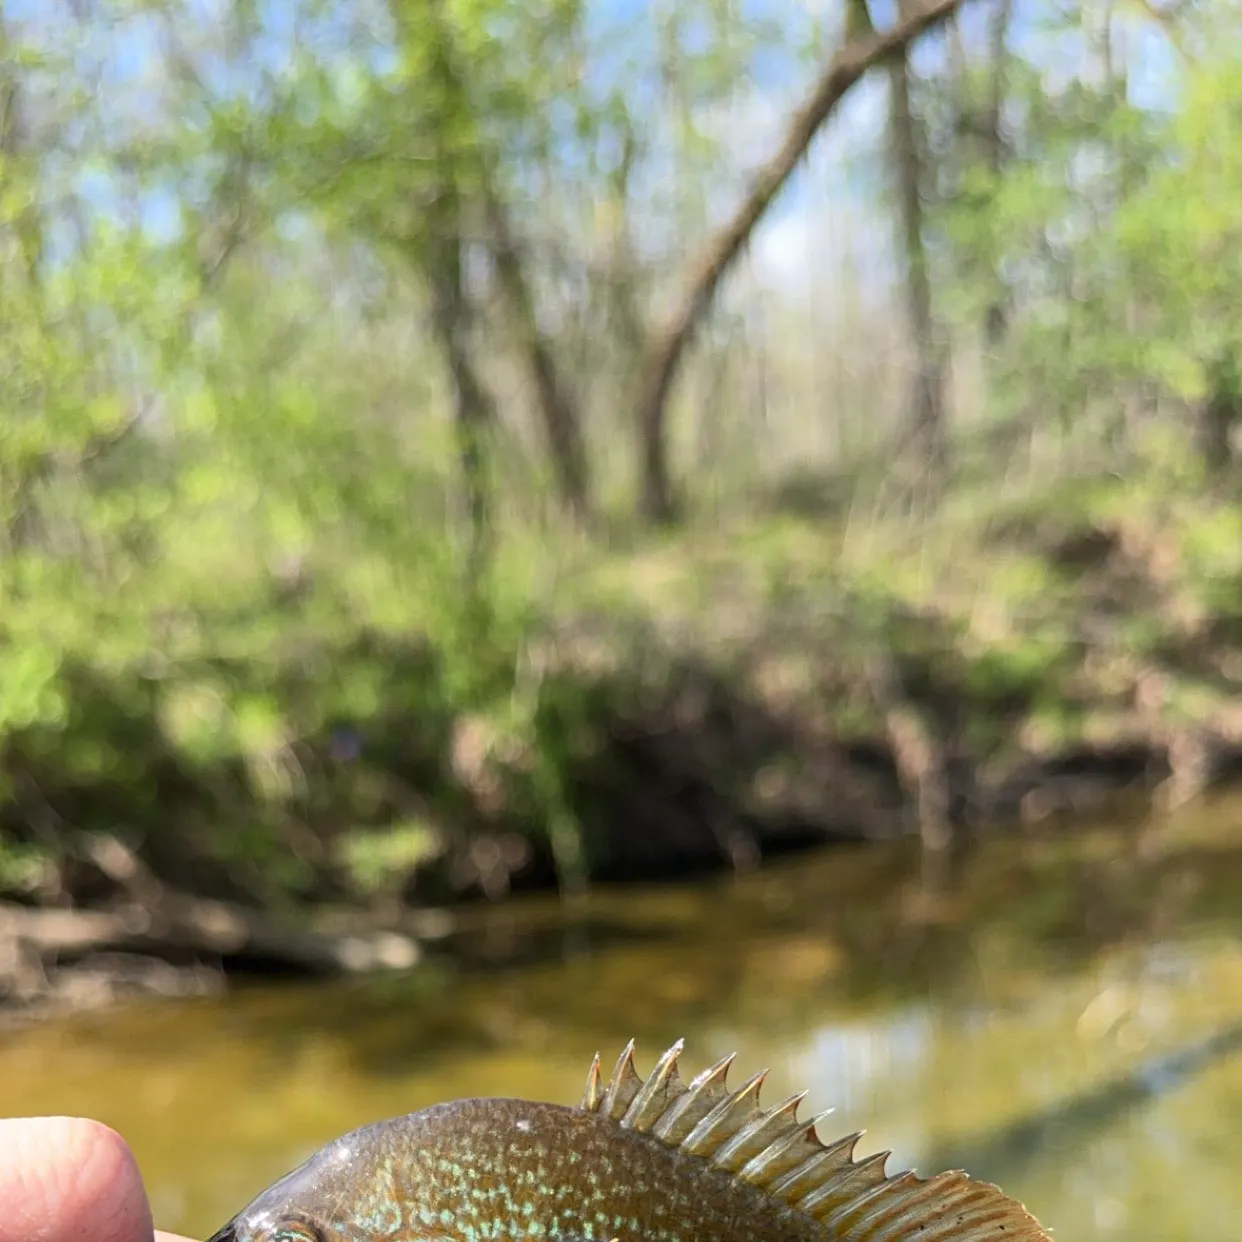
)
(639, 1160)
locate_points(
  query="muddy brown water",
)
(1060, 1012)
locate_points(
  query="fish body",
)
(640, 1160)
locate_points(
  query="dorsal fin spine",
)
(723, 1121)
(592, 1093)
(654, 1096)
(845, 1185)
(857, 1212)
(785, 1154)
(760, 1133)
(623, 1086)
(855, 1201)
(700, 1098)
(802, 1179)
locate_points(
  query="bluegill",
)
(639, 1160)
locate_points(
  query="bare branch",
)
(667, 346)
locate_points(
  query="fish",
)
(650, 1159)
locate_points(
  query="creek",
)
(1059, 1011)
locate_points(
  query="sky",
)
(829, 200)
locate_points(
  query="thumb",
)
(66, 1179)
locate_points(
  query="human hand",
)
(66, 1179)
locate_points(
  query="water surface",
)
(1062, 1014)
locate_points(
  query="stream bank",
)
(699, 706)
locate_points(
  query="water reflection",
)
(1062, 1015)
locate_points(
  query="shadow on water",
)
(1017, 1146)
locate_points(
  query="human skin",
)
(67, 1179)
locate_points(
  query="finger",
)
(160, 1236)
(66, 1179)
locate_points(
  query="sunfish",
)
(652, 1160)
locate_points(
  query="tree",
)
(1180, 236)
(927, 417)
(668, 343)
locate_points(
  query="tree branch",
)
(668, 345)
(561, 419)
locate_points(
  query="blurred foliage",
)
(238, 622)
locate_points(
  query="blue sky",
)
(623, 31)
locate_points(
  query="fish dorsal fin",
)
(773, 1151)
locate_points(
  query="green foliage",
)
(1180, 236)
(378, 859)
(22, 866)
(238, 618)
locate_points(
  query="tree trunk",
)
(927, 388)
(996, 318)
(474, 410)
(440, 254)
(1221, 412)
(562, 425)
(667, 346)
(561, 419)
